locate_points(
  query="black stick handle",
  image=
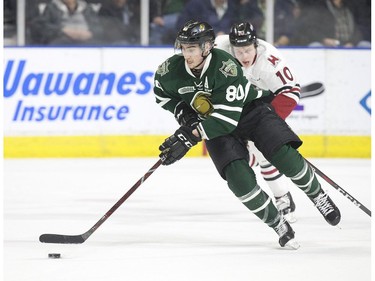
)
(124, 197)
(79, 239)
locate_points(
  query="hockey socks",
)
(289, 162)
(294, 166)
(241, 180)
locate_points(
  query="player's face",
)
(193, 55)
(71, 4)
(245, 54)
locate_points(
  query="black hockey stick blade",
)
(312, 89)
(61, 239)
(79, 239)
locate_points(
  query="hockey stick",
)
(340, 189)
(312, 89)
(79, 239)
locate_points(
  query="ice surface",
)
(183, 223)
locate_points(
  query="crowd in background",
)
(332, 23)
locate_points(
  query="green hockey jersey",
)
(218, 95)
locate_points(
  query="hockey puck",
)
(54, 256)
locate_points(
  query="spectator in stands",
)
(261, 32)
(361, 10)
(67, 22)
(121, 22)
(346, 30)
(250, 11)
(286, 13)
(327, 23)
(164, 15)
(315, 26)
(220, 14)
(9, 21)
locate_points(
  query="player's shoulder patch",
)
(163, 68)
(229, 68)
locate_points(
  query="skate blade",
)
(292, 245)
(290, 217)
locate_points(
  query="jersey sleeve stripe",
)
(292, 96)
(224, 118)
(202, 132)
(162, 101)
(260, 94)
(290, 92)
(296, 89)
(228, 108)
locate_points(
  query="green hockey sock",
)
(291, 163)
(241, 180)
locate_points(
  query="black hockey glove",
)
(186, 116)
(177, 145)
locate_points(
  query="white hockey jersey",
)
(269, 71)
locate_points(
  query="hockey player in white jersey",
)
(265, 67)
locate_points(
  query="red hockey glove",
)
(283, 105)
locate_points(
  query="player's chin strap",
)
(196, 71)
(204, 59)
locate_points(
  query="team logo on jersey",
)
(163, 68)
(199, 85)
(229, 68)
(202, 104)
(273, 60)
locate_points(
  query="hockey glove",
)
(177, 145)
(185, 115)
(283, 105)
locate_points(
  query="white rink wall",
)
(69, 92)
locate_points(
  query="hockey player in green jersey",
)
(211, 99)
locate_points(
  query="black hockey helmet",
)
(195, 32)
(243, 34)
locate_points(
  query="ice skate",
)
(286, 234)
(285, 204)
(327, 208)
